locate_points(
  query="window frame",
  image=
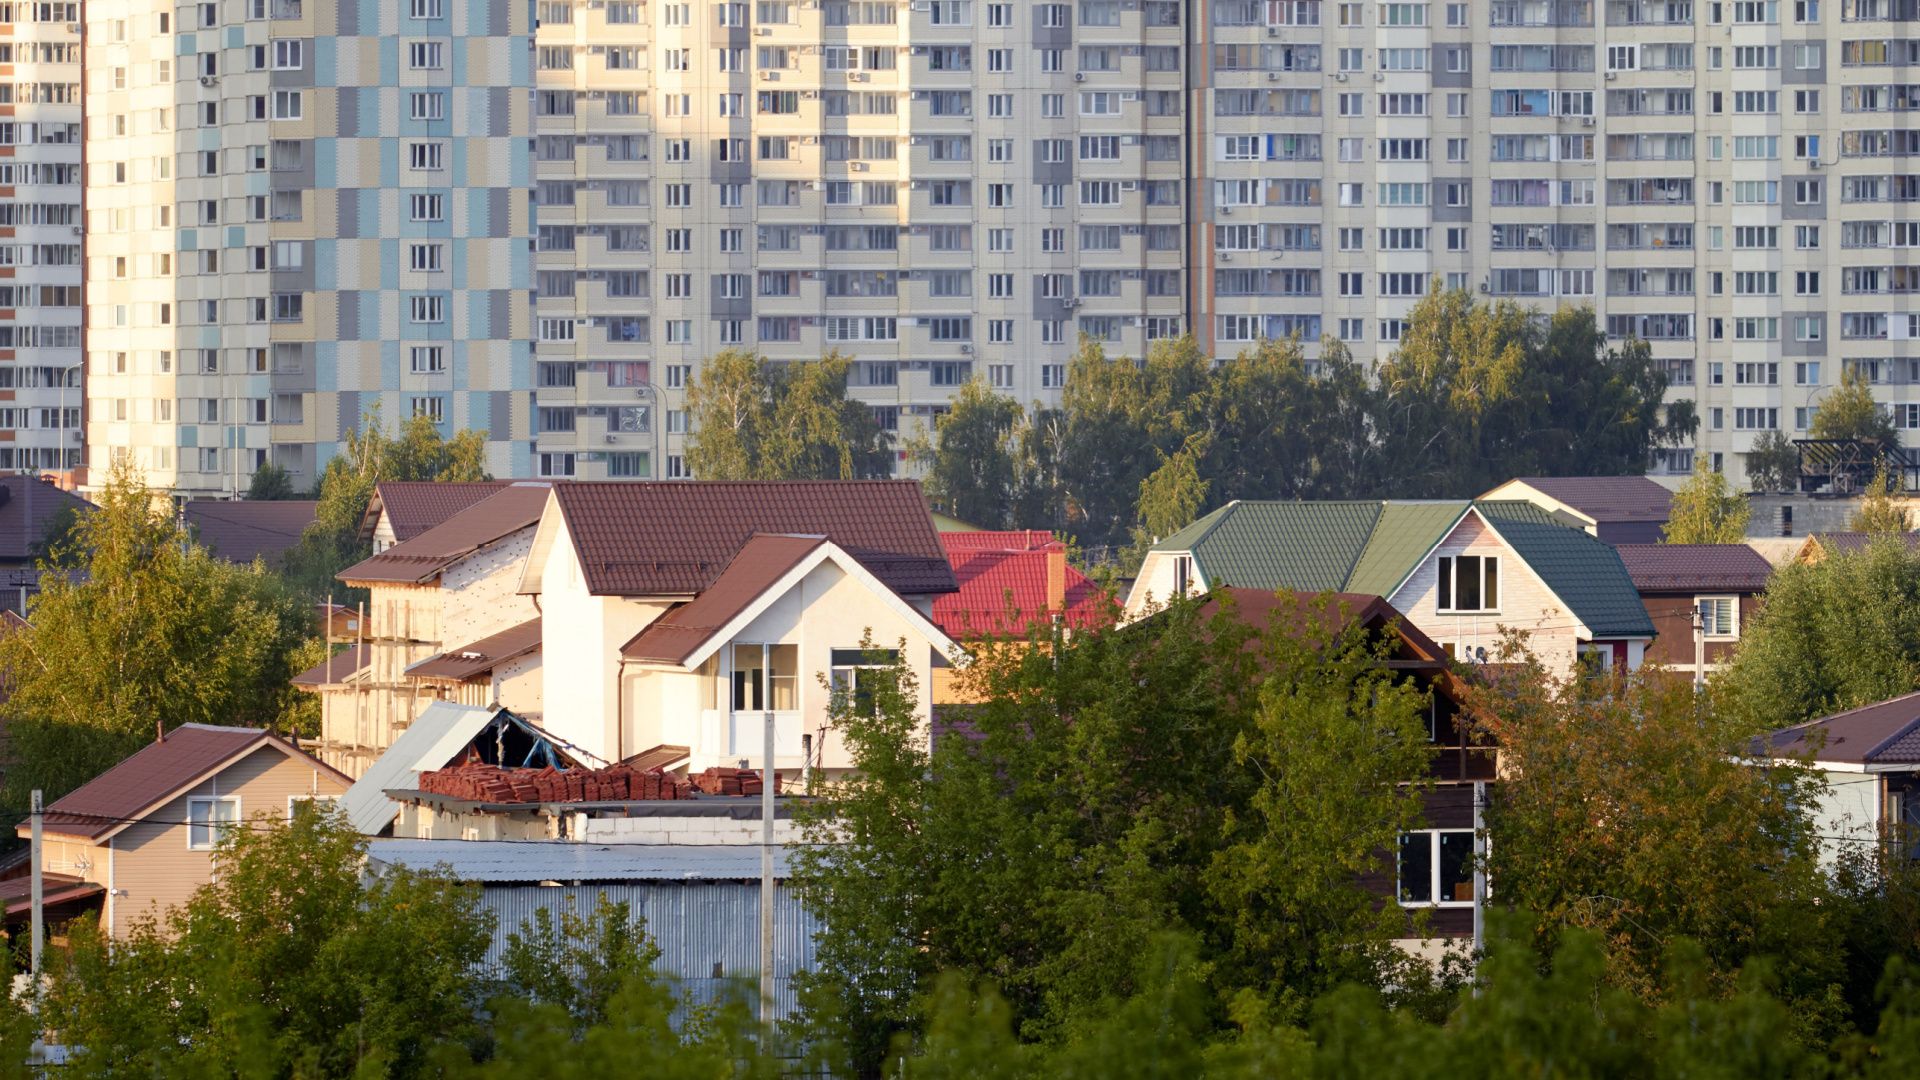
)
(1733, 616)
(1447, 584)
(1434, 867)
(212, 824)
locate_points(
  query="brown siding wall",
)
(1673, 621)
(151, 862)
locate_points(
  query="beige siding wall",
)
(152, 865)
(1525, 602)
(480, 594)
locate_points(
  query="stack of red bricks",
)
(615, 783)
(734, 782)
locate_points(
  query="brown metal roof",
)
(676, 635)
(422, 558)
(674, 539)
(27, 506)
(239, 531)
(154, 774)
(414, 506)
(343, 665)
(480, 657)
(1607, 498)
(1686, 568)
(1887, 732)
(1849, 543)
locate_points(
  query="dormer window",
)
(1469, 583)
(1182, 575)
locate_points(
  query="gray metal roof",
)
(516, 861)
(443, 725)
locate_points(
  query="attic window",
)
(1469, 583)
(1182, 574)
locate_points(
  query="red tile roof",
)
(239, 531)
(1680, 568)
(336, 670)
(676, 635)
(27, 506)
(158, 772)
(1887, 732)
(1003, 585)
(481, 656)
(1607, 498)
(414, 506)
(421, 559)
(675, 538)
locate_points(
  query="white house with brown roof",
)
(681, 614)
(1870, 759)
(141, 835)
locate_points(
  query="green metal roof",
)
(1371, 547)
(1583, 571)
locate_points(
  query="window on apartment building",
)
(427, 156)
(1469, 583)
(289, 54)
(289, 105)
(1719, 616)
(208, 818)
(427, 359)
(428, 207)
(427, 105)
(433, 408)
(1435, 868)
(289, 307)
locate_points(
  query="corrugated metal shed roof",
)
(566, 860)
(442, 723)
(674, 538)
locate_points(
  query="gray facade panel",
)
(347, 303)
(1791, 347)
(1791, 208)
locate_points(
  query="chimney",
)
(1056, 577)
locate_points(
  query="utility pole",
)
(1479, 873)
(767, 778)
(1699, 646)
(38, 889)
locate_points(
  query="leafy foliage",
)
(417, 452)
(1831, 635)
(756, 420)
(153, 632)
(1879, 512)
(1848, 411)
(270, 482)
(1706, 509)
(1112, 787)
(972, 465)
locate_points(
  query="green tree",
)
(1628, 813)
(972, 461)
(1848, 411)
(1587, 409)
(1879, 511)
(154, 633)
(1113, 788)
(1281, 428)
(579, 962)
(286, 964)
(371, 457)
(756, 420)
(1706, 509)
(1832, 635)
(270, 482)
(1773, 464)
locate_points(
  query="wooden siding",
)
(1673, 621)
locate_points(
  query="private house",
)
(242, 530)
(1822, 546)
(1723, 583)
(1870, 758)
(684, 614)
(1617, 509)
(446, 598)
(30, 509)
(403, 509)
(701, 903)
(1009, 581)
(139, 839)
(1463, 573)
(1432, 872)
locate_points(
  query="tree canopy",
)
(150, 633)
(1706, 509)
(371, 457)
(270, 482)
(1848, 411)
(754, 419)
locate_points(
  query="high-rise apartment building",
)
(40, 237)
(296, 214)
(300, 211)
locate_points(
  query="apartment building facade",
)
(41, 395)
(300, 212)
(538, 219)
